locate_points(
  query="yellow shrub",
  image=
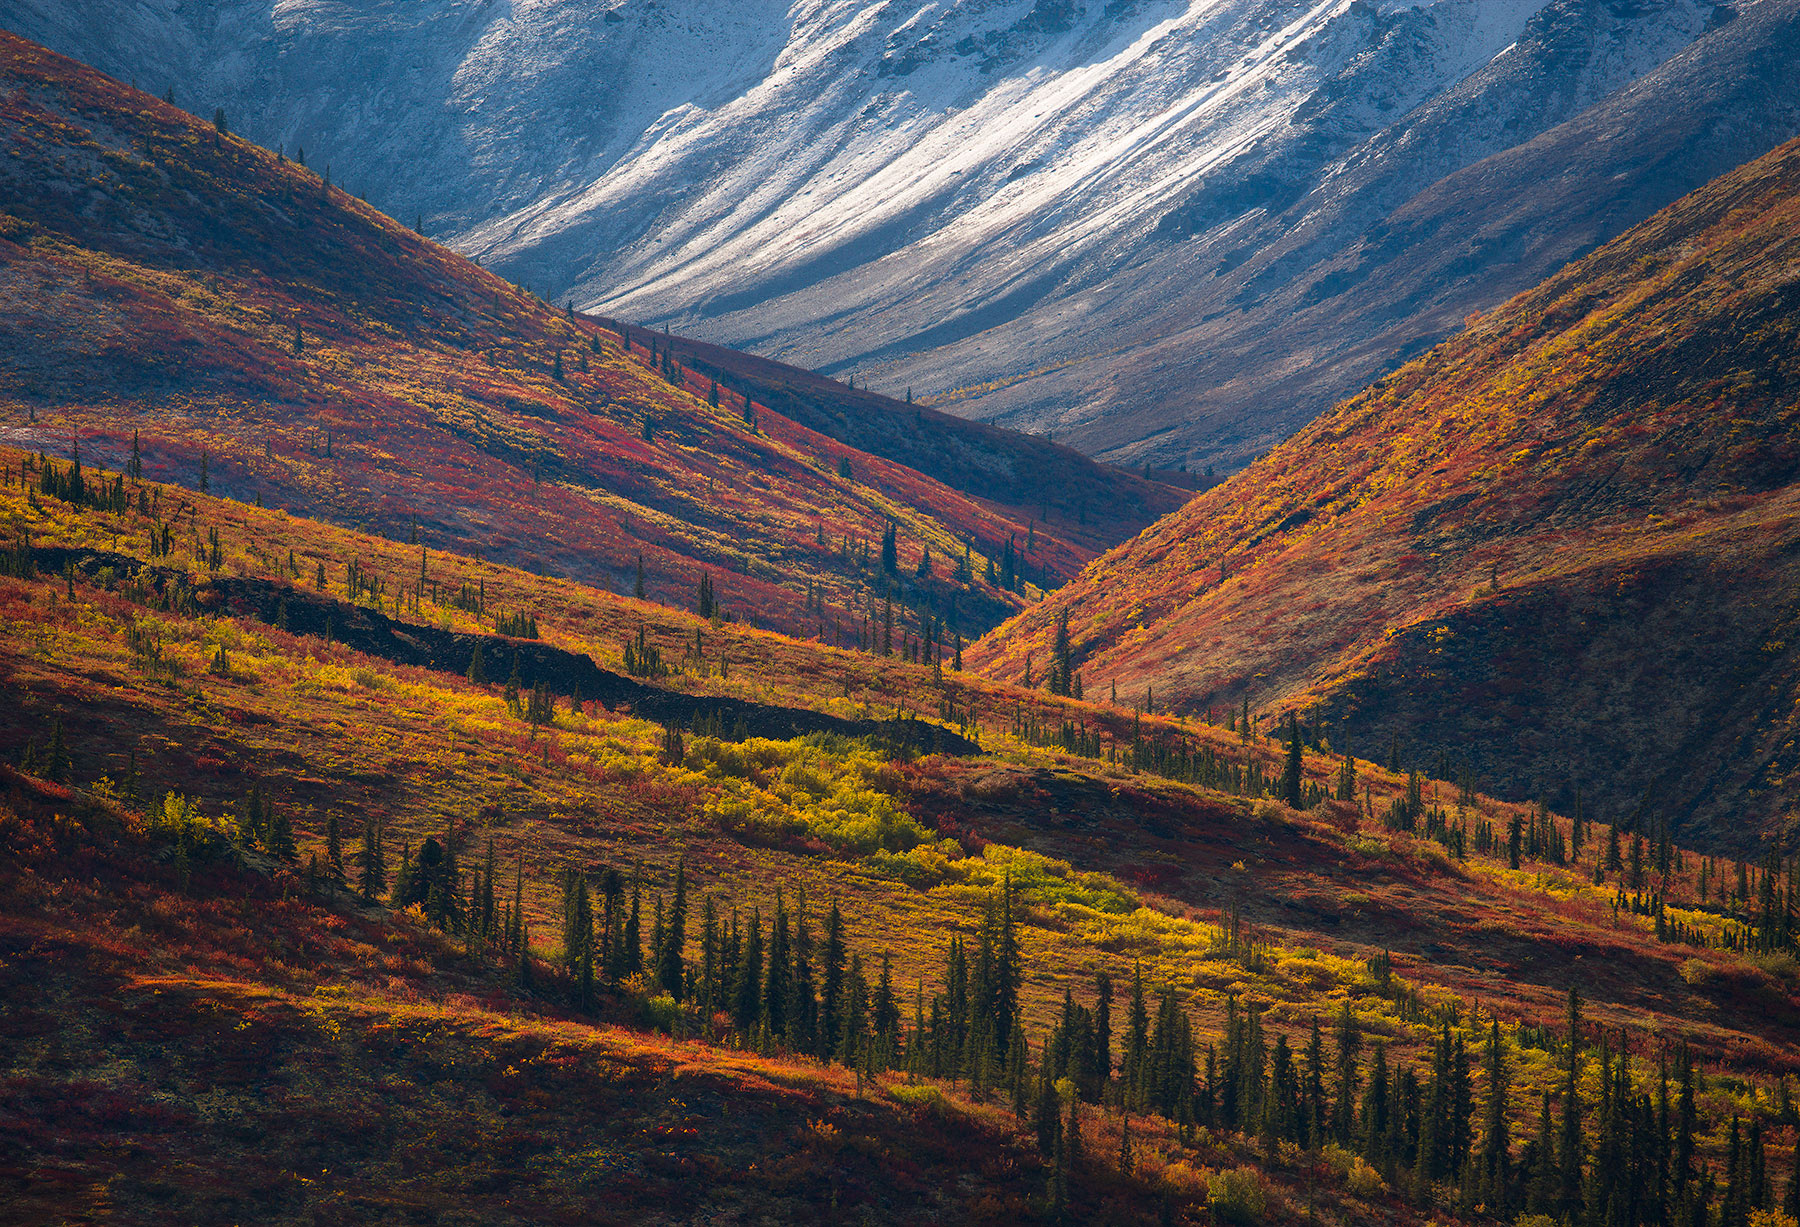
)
(1236, 1196)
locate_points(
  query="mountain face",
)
(1559, 550)
(1160, 231)
(246, 327)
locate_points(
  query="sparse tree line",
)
(1757, 911)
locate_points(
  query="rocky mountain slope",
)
(1156, 229)
(1557, 550)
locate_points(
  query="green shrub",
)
(1236, 1196)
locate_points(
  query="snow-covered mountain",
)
(1153, 227)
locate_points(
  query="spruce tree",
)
(56, 760)
(884, 1012)
(632, 956)
(281, 839)
(831, 982)
(707, 992)
(1046, 1114)
(746, 992)
(1062, 669)
(1569, 1152)
(853, 1042)
(1374, 1125)
(775, 978)
(1348, 1041)
(334, 851)
(669, 966)
(1291, 774)
(1134, 1062)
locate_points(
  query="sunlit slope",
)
(1558, 549)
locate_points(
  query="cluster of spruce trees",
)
(1626, 1158)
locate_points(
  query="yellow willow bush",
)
(782, 789)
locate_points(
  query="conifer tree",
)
(1017, 1071)
(1374, 1125)
(1291, 774)
(1543, 1180)
(669, 967)
(884, 1012)
(1312, 1117)
(1348, 1040)
(746, 991)
(334, 851)
(281, 839)
(56, 759)
(854, 1040)
(776, 976)
(1569, 1151)
(1046, 1119)
(1062, 669)
(1137, 1042)
(485, 912)
(831, 982)
(707, 994)
(631, 960)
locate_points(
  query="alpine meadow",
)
(977, 611)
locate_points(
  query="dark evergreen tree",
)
(746, 990)
(669, 965)
(831, 982)
(1570, 1151)
(1061, 677)
(775, 979)
(334, 851)
(1291, 774)
(1046, 1115)
(1348, 1042)
(281, 839)
(631, 961)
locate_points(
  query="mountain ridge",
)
(963, 199)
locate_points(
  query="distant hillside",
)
(1023, 476)
(1561, 549)
(265, 335)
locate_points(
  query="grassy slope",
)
(153, 274)
(326, 731)
(1558, 548)
(1089, 504)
